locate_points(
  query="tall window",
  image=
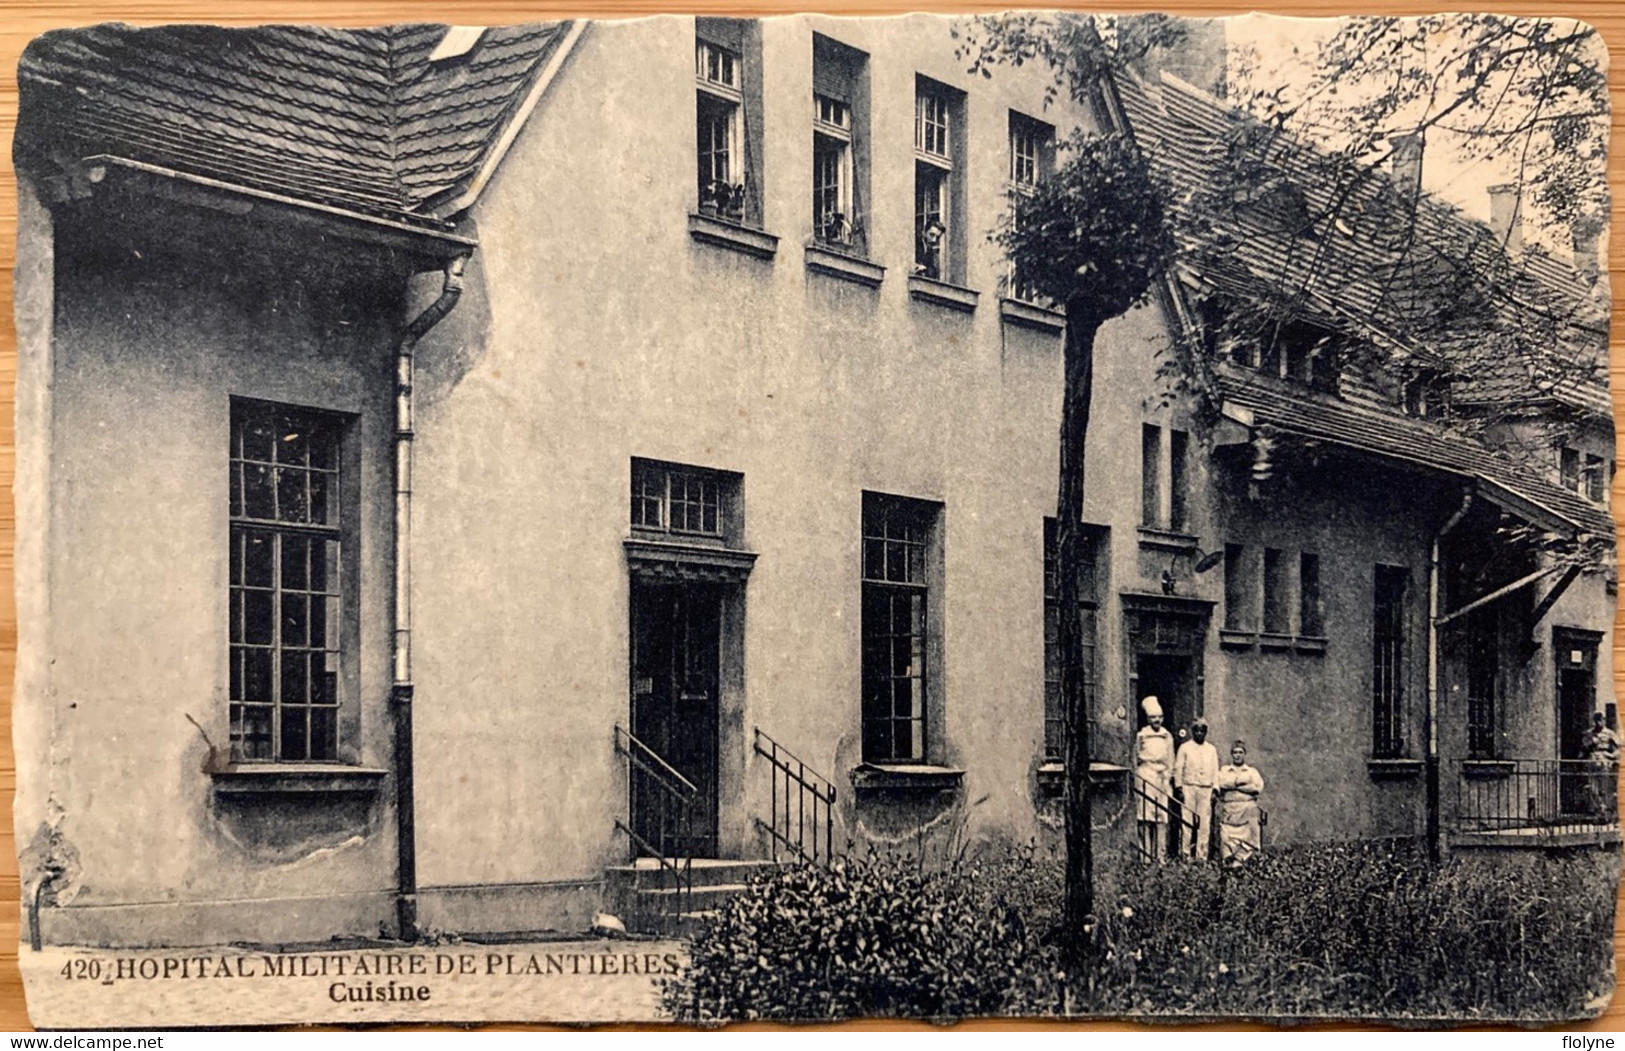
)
(1088, 605)
(840, 152)
(1032, 156)
(1388, 662)
(1311, 616)
(937, 164)
(285, 608)
(724, 179)
(1483, 682)
(1277, 593)
(1240, 602)
(898, 549)
(1164, 477)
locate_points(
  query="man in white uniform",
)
(1196, 772)
(1153, 762)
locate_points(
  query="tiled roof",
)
(1396, 437)
(1370, 270)
(354, 119)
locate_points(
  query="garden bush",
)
(1351, 930)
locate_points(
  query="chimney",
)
(1506, 215)
(1406, 162)
(1584, 234)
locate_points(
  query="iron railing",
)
(1536, 797)
(1174, 816)
(803, 806)
(661, 824)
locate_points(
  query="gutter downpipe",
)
(1432, 772)
(400, 694)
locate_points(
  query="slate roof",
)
(354, 119)
(1397, 437)
(1370, 270)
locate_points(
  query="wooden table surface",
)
(20, 20)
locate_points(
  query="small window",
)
(723, 101)
(1426, 396)
(286, 574)
(1388, 668)
(1150, 474)
(683, 501)
(938, 180)
(899, 551)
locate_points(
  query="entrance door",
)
(676, 635)
(1576, 700)
(1172, 680)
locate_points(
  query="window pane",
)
(295, 681)
(295, 620)
(259, 559)
(320, 506)
(295, 562)
(323, 733)
(295, 734)
(259, 620)
(259, 501)
(1151, 474)
(257, 675)
(1276, 590)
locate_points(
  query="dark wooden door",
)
(676, 640)
(1576, 700)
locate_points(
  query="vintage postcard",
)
(695, 519)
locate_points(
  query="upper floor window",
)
(1032, 157)
(840, 149)
(724, 98)
(1426, 396)
(286, 570)
(1583, 473)
(938, 180)
(683, 501)
(1164, 485)
(900, 552)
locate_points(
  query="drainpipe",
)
(1432, 729)
(400, 694)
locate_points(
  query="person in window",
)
(1240, 821)
(1153, 765)
(1196, 772)
(1600, 746)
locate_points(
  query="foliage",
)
(1095, 230)
(1359, 929)
(879, 937)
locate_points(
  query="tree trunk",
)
(1081, 325)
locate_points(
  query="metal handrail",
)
(1176, 814)
(683, 793)
(801, 786)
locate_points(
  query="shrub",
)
(864, 938)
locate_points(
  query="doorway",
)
(676, 686)
(1576, 700)
(1172, 680)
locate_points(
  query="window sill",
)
(666, 561)
(284, 778)
(943, 294)
(731, 235)
(1031, 315)
(1234, 639)
(905, 777)
(1166, 539)
(1486, 769)
(1393, 769)
(828, 260)
(1052, 775)
(1309, 644)
(1274, 642)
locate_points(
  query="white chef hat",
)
(1151, 707)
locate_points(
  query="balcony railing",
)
(1535, 798)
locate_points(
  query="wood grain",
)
(20, 20)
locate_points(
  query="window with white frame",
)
(1032, 153)
(682, 501)
(937, 168)
(899, 552)
(286, 598)
(723, 100)
(840, 143)
(1583, 473)
(832, 170)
